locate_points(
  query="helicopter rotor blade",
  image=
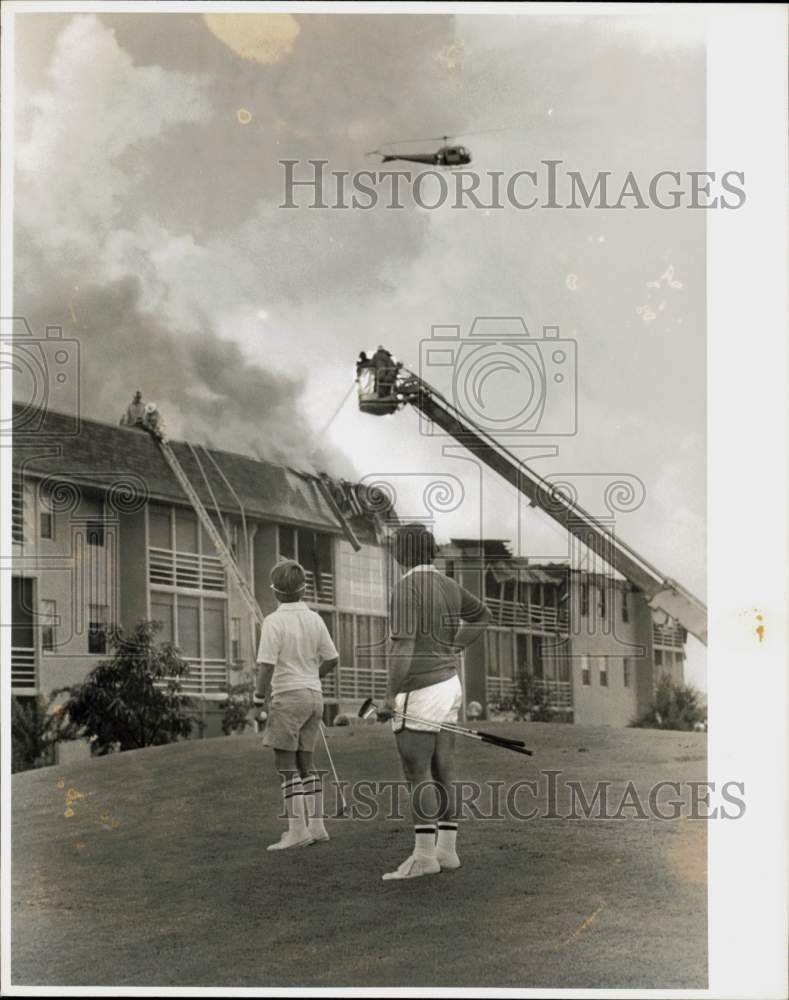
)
(452, 135)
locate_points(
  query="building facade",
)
(103, 534)
(591, 643)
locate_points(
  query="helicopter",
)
(447, 155)
(450, 154)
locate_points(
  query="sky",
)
(148, 225)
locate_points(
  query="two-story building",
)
(103, 534)
(590, 640)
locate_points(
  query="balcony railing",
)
(208, 677)
(513, 614)
(324, 593)
(23, 667)
(355, 683)
(669, 635)
(560, 693)
(17, 514)
(186, 570)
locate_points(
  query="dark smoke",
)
(207, 391)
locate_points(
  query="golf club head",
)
(368, 710)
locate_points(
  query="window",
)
(449, 569)
(506, 655)
(97, 628)
(492, 586)
(287, 542)
(625, 607)
(585, 599)
(493, 667)
(214, 629)
(93, 511)
(235, 640)
(196, 625)
(47, 525)
(314, 550)
(18, 513)
(162, 606)
(159, 527)
(345, 646)
(602, 602)
(371, 634)
(46, 528)
(48, 622)
(586, 672)
(604, 672)
(627, 671)
(95, 532)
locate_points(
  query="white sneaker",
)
(448, 862)
(414, 867)
(318, 832)
(298, 838)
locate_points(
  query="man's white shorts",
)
(433, 705)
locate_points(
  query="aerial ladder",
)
(400, 387)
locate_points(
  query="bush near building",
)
(33, 734)
(133, 699)
(674, 706)
(528, 702)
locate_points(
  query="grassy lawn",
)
(150, 869)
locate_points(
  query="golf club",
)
(343, 809)
(369, 708)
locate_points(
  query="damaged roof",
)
(105, 455)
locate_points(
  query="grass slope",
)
(150, 869)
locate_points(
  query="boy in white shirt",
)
(295, 652)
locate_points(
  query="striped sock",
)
(447, 835)
(313, 798)
(424, 841)
(293, 796)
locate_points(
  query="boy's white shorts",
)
(438, 703)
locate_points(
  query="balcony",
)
(535, 616)
(355, 684)
(559, 693)
(672, 635)
(323, 593)
(206, 678)
(23, 668)
(185, 570)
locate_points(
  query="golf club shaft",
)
(333, 769)
(448, 727)
(489, 737)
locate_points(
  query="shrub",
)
(239, 704)
(34, 732)
(528, 702)
(674, 706)
(133, 699)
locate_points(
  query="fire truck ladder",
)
(227, 559)
(225, 555)
(662, 593)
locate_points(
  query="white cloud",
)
(83, 151)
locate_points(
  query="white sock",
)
(313, 799)
(293, 795)
(447, 835)
(424, 841)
